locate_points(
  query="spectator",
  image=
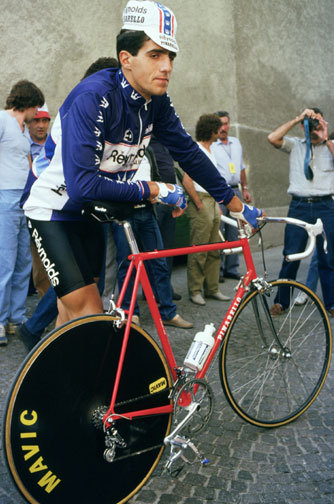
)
(166, 221)
(15, 259)
(311, 279)
(204, 218)
(38, 131)
(148, 237)
(228, 153)
(98, 139)
(311, 188)
(313, 273)
(100, 64)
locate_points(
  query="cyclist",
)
(95, 147)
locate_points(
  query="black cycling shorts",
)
(71, 252)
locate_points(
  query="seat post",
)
(130, 237)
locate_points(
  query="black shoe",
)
(235, 276)
(221, 278)
(176, 297)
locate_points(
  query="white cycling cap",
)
(153, 18)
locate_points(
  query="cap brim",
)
(162, 40)
(39, 115)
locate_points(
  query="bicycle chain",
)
(145, 396)
(172, 392)
(139, 452)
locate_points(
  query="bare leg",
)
(83, 301)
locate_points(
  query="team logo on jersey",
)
(60, 189)
(135, 96)
(97, 132)
(123, 157)
(128, 136)
(97, 160)
(99, 145)
(100, 117)
(104, 102)
(124, 83)
(148, 129)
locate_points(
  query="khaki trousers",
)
(203, 268)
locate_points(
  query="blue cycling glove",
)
(174, 197)
(248, 214)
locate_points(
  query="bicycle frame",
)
(141, 277)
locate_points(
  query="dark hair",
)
(316, 110)
(206, 125)
(100, 64)
(223, 113)
(23, 95)
(131, 41)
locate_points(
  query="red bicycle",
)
(93, 406)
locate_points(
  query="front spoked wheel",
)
(54, 441)
(272, 368)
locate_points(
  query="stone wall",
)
(261, 60)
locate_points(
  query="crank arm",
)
(192, 408)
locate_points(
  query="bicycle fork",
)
(277, 350)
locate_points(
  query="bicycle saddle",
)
(107, 211)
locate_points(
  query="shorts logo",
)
(52, 274)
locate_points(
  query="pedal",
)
(178, 445)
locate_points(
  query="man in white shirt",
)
(15, 260)
(311, 186)
(204, 219)
(228, 153)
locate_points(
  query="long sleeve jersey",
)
(96, 144)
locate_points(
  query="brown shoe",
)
(178, 321)
(276, 309)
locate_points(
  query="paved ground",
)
(249, 465)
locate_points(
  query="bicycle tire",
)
(266, 386)
(52, 448)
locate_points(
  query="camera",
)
(312, 123)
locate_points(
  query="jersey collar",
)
(131, 95)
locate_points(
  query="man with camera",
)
(312, 189)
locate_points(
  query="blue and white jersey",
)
(96, 144)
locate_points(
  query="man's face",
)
(38, 128)
(223, 131)
(149, 71)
